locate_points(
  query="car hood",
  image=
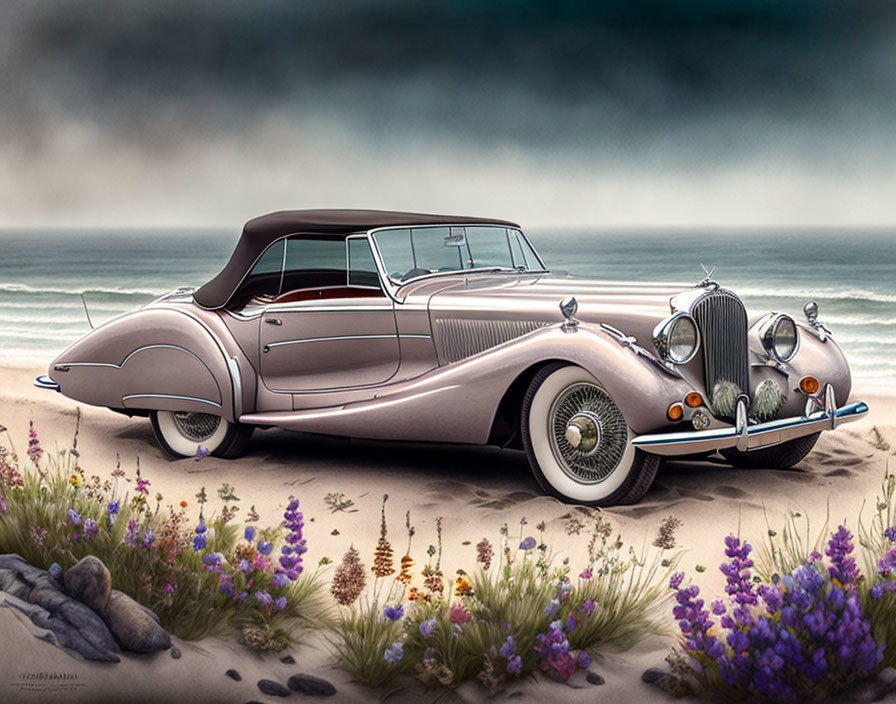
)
(633, 308)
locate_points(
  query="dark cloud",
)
(677, 83)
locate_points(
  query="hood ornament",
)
(569, 306)
(708, 281)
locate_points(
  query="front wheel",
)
(181, 434)
(578, 442)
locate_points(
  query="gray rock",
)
(12, 583)
(288, 660)
(273, 689)
(234, 675)
(653, 675)
(89, 581)
(311, 686)
(132, 626)
(594, 678)
(869, 690)
(175, 652)
(888, 677)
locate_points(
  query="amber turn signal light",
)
(693, 399)
(675, 412)
(809, 385)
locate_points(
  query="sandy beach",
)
(474, 489)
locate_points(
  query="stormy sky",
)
(568, 112)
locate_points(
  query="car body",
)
(405, 326)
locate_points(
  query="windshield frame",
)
(393, 285)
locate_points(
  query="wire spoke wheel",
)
(197, 426)
(588, 432)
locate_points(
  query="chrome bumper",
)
(45, 382)
(749, 437)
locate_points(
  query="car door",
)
(336, 335)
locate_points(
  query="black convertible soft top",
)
(259, 233)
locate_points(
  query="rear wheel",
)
(783, 456)
(578, 442)
(181, 434)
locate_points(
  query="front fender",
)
(152, 359)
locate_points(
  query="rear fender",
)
(153, 359)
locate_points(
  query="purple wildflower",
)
(279, 580)
(843, 567)
(515, 665)
(552, 608)
(148, 538)
(249, 534)
(170, 588)
(427, 628)
(264, 598)
(586, 573)
(393, 613)
(528, 543)
(243, 565)
(201, 452)
(890, 534)
(588, 606)
(291, 557)
(90, 528)
(199, 540)
(265, 547)
(142, 485)
(280, 604)
(73, 517)
(34, 449)
(508, 648)
(130, 536)
(112, 510)
(394, 652)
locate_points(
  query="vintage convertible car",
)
(402, 326)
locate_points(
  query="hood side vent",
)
(459, 338)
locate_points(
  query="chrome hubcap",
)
(588, 433)
(196, 426)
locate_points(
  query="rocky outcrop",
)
(73, 625)
(83, 614)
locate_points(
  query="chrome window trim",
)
(392, 288)
(180, 398)
(317, 308)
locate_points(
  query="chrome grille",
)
(722, 320)
(459, 338)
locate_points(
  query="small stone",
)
(653, 675)
(311, 686)
(594, 678)
(273, 689)
(888, 676)
(89, 582)
(234, 675)
(867, 691)
(288, 660)
(175, 652)
(132, 626)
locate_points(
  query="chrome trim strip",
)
(344, 337)
(180, 398)
(317, 308)
(125, 360)
(758, 436)
(234, 367)
(45, 382)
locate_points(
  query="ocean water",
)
(850, 272)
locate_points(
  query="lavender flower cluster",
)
(787, 641)
(292, 551)
(555, 657)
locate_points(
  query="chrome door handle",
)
(273, 321)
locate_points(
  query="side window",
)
(263, 282)
(361, 267)
(517, 251)
(313, 262)
(396, 251)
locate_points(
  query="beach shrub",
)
(202, 577)
(515, 615)
(800, 636)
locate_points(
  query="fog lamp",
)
(700, 421)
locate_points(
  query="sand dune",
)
(474, 489)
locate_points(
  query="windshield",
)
(410, 252)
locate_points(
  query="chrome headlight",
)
(780, 337)
(677, 338)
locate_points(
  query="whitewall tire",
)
(182, 434)
(578, 442)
